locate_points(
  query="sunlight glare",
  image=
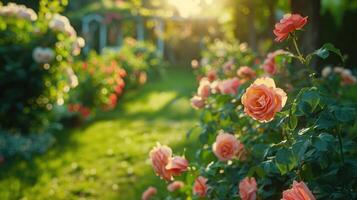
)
(187, 8)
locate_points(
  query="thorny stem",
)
(300, 56)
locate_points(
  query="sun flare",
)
(188, 8)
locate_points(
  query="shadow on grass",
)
(159, 106)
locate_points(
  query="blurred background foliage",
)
(248, 20)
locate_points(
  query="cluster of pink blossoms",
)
(211, 85)
(347, 78)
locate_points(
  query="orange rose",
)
(177, 165)
(262, 99)
(299, 191)
(197, 102)
(151, 191)
(176, 185)
(248, 189)
(160, 157)
(287, 25)
(226, 146)
(246, 73)
(200, 187)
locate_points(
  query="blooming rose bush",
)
(35, 75)
(101, 85)
(35, 69)
(282, 135)
(223, 59)
(140, 59)
(104, 78)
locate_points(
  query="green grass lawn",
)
(107, 158)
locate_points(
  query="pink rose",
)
(287, 25)
(176, 185)
(229, 86)
(228, 66)
(165, 165)
(204, 90)
(347, 77)
(151, 191)
(212, 75)
(246, 73)
(299, 191)
(248, 189)
(225, 147)
(160, 157)
(262, 100)
(197, 102)
(200, 187)
(269, 64)
(177, 165)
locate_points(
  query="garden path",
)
(107, 158)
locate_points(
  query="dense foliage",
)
(35, 74)
(263, 131)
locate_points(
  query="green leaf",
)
(345, 114)
(293, 121)
(312, 97)
(326, 120)
(285, 161)
(299, 149)
(324, 51)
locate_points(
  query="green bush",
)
(35, 74)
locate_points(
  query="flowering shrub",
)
(104, 77)
(35, 74)
(140, 59)
(223, 58)
(272, 136)
(101, 83)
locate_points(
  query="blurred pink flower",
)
(151, 191)
(197, 102)
(229, 86)
(200, 187)
(299, 191)
(248, 189)
(176, 185)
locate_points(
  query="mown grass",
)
(108, 157)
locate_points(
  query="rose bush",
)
(104, 78)
(140, 59)
(35, 72)
(101, 84)
(281, 135)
